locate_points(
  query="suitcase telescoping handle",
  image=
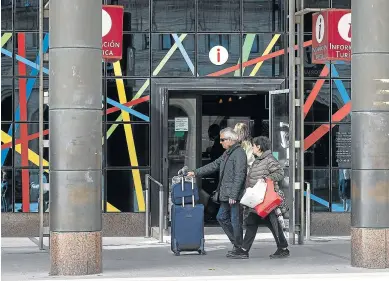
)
(193, 197)
(182, 187)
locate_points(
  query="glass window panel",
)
(118, 146)
(320, 109)
(317, 3)
(173, 15)
(180, 63)
(32, 140)
(317, 143)
(341, 190)
(341, 4)
(6, 99)
(273, 67)
(27, 182)
(320, 191)
(122, 188)
(134, 89)
(221, 15)
(136, 54)
(31, 50)
(341, 146)
(341, 70)
(263, 16)
(26, 14)
(6, 190)
(31, 95)
(341, 95)
(136, 14)
(6, 15)
(6, 56)
(232, 44)
(6, 145)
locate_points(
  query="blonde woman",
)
(244, 138)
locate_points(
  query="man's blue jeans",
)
(230, 219)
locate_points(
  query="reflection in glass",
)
(341, 70)
(341, 4)
(341, 190)
(32, 100)
(6, 99)
(317, 3)
(119, 146)
(318, 143)
(341, 95)
(311, 70)
(263, 16)
(6, 190)
(320, 109)
(320, 191)
(180, 63)
(253, 47)
(122, 188)
(32, 185)
(173, 15)
(136, 56)
(232, 44)
(221, 15)
(26, 14)
(136, 14)
(6, 15)
(6, 147)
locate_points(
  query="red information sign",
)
(331, 36)
(112, 32)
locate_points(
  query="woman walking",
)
(264, 166)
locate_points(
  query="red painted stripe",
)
(254, 61)
(23, 126)
(315, 91)
(324, 129)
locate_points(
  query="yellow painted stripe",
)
(32, 156)
(5, 38)
(130, 138)
(146, 84)
(266, 52)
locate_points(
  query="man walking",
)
(232, 167)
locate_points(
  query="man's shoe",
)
(234, 249)
(280, 253)
(239, 254)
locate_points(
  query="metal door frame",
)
(159, 95)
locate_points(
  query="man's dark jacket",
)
(232, 167)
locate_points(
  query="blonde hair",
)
(244, 137)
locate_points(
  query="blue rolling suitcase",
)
(187, 227)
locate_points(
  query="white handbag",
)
(255, 195)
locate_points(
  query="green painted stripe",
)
(5, 38)
(247, 45)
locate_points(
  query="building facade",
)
(170, 39)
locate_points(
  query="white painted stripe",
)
(379, 276)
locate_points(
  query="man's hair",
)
(263, 142)
(229, 133)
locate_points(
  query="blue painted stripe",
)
(339, 84)
(129, 110)
(30, 85)
(318, 200)
(24, 60)
(184, 53)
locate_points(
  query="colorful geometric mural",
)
(125, 106)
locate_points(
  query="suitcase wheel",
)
(202, 252)
(176, 254)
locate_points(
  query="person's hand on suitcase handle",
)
(191, 174)
(231, 201)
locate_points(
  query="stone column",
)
(370, 134)
(75, 137)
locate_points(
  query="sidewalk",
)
(145, 259)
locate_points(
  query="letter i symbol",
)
(349, 31)
(218, 54)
